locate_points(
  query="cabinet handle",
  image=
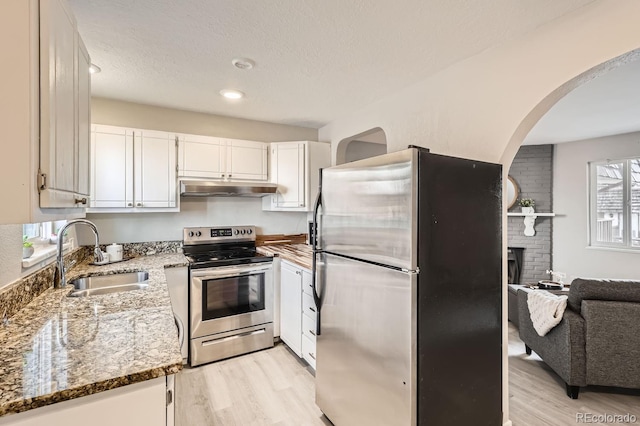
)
(311, 331)
(138, 204)
(301, 205)
(297, 272)
(223, 175)
(311, 309)
(229, 175)
(82, 200)
(130, 205)
(312, 356)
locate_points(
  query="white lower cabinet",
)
(298, 316)
(291, 306)
(149, 403)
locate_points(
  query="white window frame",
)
(626, 243)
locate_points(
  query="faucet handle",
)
(97, 255)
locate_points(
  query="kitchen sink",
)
(105, 284)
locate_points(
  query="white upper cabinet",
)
(64, 108)
(44, 111)
(294, 168)
(246, 160)
(219, 158)
(154, 169)
(83, 114)
(111, 167)
(200, 156)
(132, 170)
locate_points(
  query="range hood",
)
(207, 188)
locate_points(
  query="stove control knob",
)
(243, 232)
(191, 233)
(198, 234)
(236, 232)
(249, 231)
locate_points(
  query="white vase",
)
(27, 252)
(527, 210)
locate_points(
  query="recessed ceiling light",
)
(243, 63)
(94, 69)
(232, 94)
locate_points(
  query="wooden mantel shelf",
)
(532, 214)
(530, 221)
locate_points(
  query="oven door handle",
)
(216, 273)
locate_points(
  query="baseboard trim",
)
(507, 423)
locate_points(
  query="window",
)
(43, 238)
(615, 204)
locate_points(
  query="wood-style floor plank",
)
(273, 387)
(537, 395)
(270, 387)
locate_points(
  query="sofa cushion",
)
(597, 289)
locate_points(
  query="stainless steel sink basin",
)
(105, 284)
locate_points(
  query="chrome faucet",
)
(59, 280)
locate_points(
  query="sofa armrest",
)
(563, 348)
(612, 343)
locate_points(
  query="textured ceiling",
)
(607, 105)
(315, 60)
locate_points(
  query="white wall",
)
(358, 150)
(571, 253)
(129, 114)
(10, 253)
(215, 211)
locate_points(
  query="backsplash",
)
(22, 292)
(16, 296)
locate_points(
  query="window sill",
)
(615, 249)
(43, 253)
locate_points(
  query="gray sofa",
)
(598, 340)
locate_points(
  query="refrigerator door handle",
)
(316, 250)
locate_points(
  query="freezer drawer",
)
(366, 365)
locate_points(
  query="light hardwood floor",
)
(269, 387)
(537, 395)
(273, 387)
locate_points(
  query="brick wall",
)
(532, 170)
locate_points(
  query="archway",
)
(515, 143)
(363, 145)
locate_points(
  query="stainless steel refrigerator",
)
(407, 285)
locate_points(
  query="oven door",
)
(230, 297)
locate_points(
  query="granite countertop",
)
(299, 254)
(59, 348)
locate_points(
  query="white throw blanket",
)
(546, 310)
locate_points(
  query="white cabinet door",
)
(294, 168)
(111, 167)
(288, 172)
(132, 170)
(58, 56)
(154, 169)
(200, 156)
(291, 307)
(246, 160)
(143, 403)
(83, 114)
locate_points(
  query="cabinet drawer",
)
(309, 351)
(309, 327)
(309, 306)
(306, 282)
